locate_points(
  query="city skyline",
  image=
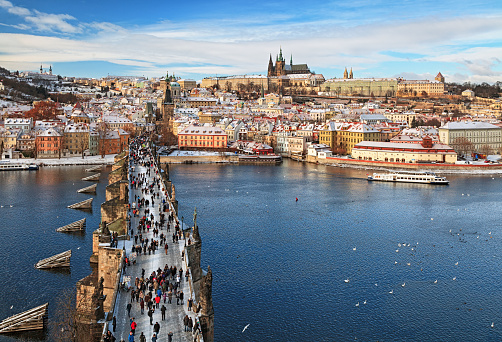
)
(374, 38)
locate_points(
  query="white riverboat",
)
(409, 177)
(8, 166)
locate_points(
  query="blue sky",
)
(413, 39)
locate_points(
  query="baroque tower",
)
(439, 77)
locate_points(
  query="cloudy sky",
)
(376, 38)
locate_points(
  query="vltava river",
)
(280, 265)
(32, 205)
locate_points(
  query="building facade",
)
(202, 137)
(49, 144)
(404, 152)
(481, 137)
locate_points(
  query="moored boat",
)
(8, 166)
(409, 177)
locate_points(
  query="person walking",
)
(114, 323)
(190, 324)
(128, 307)
(163, 311)
(142, 337)
(181, 297)
(133, 327)
(154, 338)
(142, 306)
(157, 301)
(131, 337)
(185, 322)
(156, 328)
(170, 337)
(150, 314)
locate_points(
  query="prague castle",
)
(279, 76)
(350, 86)
(299, 79)
(281, 68)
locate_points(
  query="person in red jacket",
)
(133, 327)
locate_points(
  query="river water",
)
(280, 265)
(32, 205)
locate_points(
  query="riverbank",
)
(89, 160)
(473, 167)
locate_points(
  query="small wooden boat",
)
(58, 260)
(87, 204)
(33, 319)
(95, 168)
(88, 190)
(76, 226)
(94, 177)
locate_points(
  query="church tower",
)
(439, 77)
(50, 70)
(280, 64)
(41, 70)
(351, 75)
(270, 67)
(345, 74)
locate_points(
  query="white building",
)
(468, 93)
(485, 137)
(19, 123)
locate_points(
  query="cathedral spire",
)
(345, 74)
(351, 75)
(291, 61)
(280, 55)
(270, 66)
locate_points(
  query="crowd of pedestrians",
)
(153, 293)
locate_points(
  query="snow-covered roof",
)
(397, 146)
(202, 130)
(468, 125)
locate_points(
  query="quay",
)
(104, 303)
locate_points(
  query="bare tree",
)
(103, 130)
(83, 144)
(486, 150)
(67, 325)
(463, 146)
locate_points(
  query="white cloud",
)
(21, 11)
(53, 22)
(242, 46)
(6, 4)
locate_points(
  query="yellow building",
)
(349, 134)
(239, 83)
(361, 86)
(209, 117)
(76, 138)
(187, 84)
(407, 117)
(420, 87)
(327, 135)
